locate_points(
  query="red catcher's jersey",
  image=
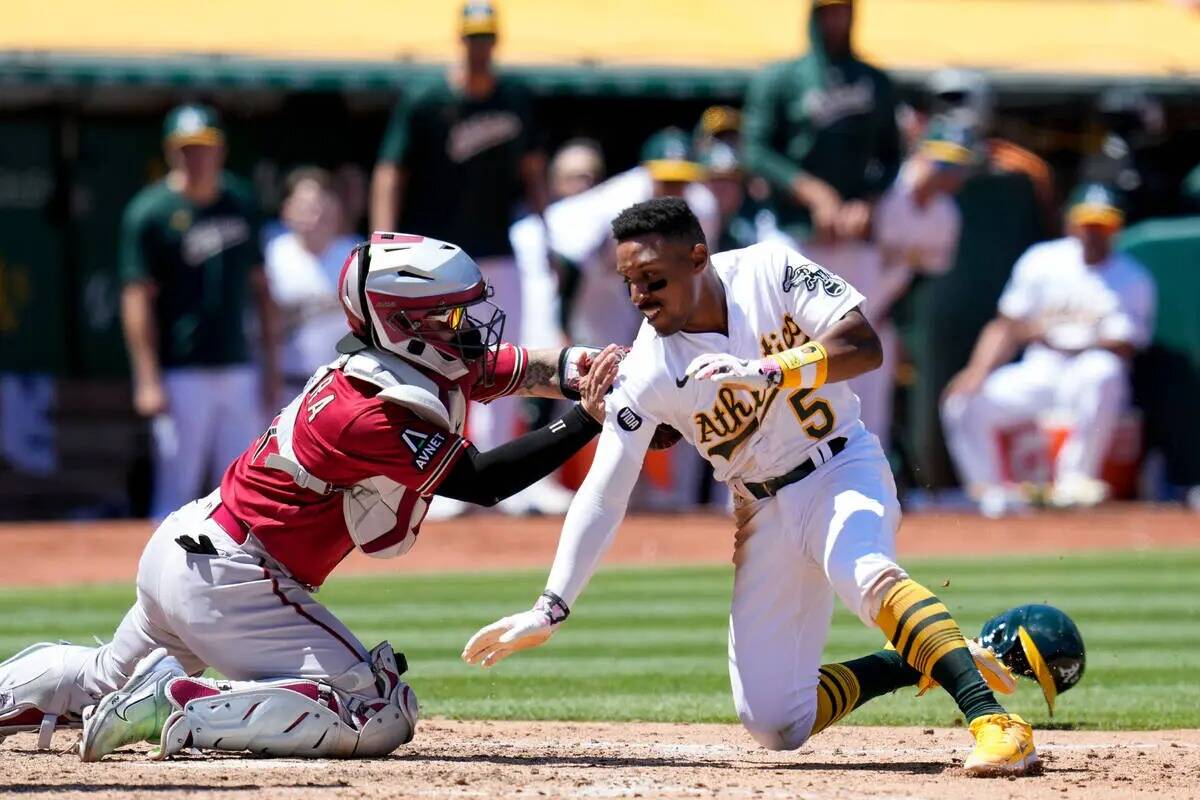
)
(345, 434)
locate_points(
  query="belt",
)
(769, 487)
(227, 522)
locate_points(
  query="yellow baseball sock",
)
(843, 687)
(920, 627)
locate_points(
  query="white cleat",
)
(134, 713)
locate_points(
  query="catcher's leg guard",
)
(39, 690)
(287, 717)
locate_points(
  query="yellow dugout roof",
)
(1157, 38)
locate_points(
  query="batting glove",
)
(722, 368)
(516, 632)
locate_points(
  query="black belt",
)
(768, 488)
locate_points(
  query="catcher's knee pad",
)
(296, 717)
(39, 690)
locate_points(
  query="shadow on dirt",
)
(608, 762)
(170, 789)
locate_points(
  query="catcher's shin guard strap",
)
(920, 627)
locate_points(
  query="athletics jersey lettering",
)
(776, 300)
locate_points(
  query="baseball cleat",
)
(134, 713)
(995, 673)
(35, 694)
(1003, 746)
(996, 502)
(1078, 492)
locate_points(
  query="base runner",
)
(746, 354)
(227, 581)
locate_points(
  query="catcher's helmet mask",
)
(450, 329)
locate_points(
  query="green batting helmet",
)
(1039, 642)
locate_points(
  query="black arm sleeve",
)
(487, 478)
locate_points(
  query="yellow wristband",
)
(804, 367)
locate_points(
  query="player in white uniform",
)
(1081, 311)
(917, 224)
(747, 354)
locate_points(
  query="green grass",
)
(649, 644)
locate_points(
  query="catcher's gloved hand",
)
(516, 632)
(728, 370)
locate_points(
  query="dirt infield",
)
(535, 760)
(67, 553)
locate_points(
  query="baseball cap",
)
(193, 123)
(668, 156)
(717, 120)
(1095, 204)
(479, 19)
(951, 142)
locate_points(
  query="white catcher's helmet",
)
(421, 299)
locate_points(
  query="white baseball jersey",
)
(1075, 305)
(831, 533)
(580, 230)
(777, 299)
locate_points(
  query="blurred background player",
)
(303, 264)
(745, 214)
(457, 158)
(597, 302)
(1081, 311)
(1006, 204)
(189, 256)
(576, 167)
(965, 97)
(916, 226)
(822, 130)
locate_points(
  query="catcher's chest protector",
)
(381, 514)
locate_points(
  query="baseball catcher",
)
(352, 462)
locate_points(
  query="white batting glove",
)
(722, 368)
(516, 632)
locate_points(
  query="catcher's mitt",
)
(664, 437)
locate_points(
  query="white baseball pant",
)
(831, 533)
(1093, 387)
(212, 416)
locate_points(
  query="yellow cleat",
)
(998, 677)
(1003, 746)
